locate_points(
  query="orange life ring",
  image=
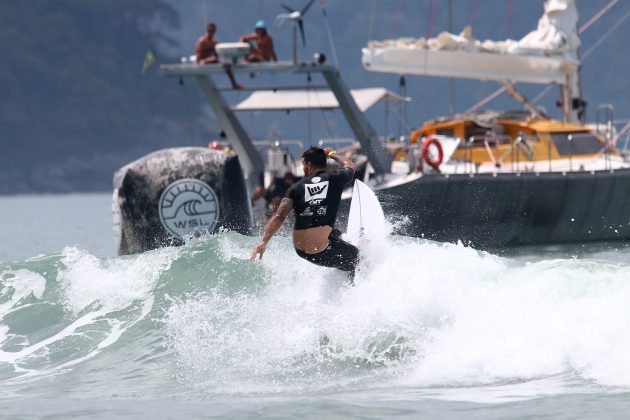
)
(434, 163)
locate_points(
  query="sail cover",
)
(545, 55)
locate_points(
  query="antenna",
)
(295, 16)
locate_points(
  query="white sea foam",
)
(102, 298)
(421, 314)
(15, 286)
(112, 283)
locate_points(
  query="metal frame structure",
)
(251, 162)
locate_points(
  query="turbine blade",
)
(301, 26)
(287, 8)
(310, 3)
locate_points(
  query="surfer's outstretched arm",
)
(273, 225)
(345, 163)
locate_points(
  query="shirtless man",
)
(315, 200)
(206, 53)
(205, 48)
(263, 51)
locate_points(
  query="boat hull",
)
(490, 211)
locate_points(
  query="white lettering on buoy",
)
(187, 207)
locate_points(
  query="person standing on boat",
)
(206, 53)
(263, 50)
(315, 201)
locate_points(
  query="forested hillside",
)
(73, 102)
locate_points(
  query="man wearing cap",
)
(263, 51)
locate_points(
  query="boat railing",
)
(520, 145)
(336, 141)
(414, 156)
(606, 121)
(280, 143)
(608, 131)
(491, 139)
(625, 140)
(279, 158)
(488, 141)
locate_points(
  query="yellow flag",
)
(149, 59)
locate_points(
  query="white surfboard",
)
(366, 221)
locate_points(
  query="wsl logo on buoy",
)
(188, 207)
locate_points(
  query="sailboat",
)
(515, 178)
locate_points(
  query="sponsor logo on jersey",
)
(307, 212)
(315, 191)
(316, 179)
(321, 211)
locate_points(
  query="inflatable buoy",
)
(434, 163)
(170, 195)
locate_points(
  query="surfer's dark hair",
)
(315, 156)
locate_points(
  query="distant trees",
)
(74, 105)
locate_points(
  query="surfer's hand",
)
(260, 249)
(329, 152)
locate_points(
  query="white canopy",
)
(282, 100)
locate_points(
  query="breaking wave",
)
(205, 320)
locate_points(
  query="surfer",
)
(315, 200)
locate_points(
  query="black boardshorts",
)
(338, 254)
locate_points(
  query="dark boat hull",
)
(489, 212)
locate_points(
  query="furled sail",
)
(546, 55)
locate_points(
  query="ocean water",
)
(430, 330)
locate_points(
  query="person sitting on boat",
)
(315, 201)
(206, 53)
(263, 50)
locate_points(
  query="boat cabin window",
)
(450, 132)
(475, 131)
(480, 135)
(576, 143)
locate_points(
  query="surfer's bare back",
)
(315, 200)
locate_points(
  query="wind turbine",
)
(295, 16)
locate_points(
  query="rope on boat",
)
(589, 51)
(371, 24)
(329, 32)
(582, 28)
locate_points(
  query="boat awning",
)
(281, 100)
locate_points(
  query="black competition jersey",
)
(316, 198)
